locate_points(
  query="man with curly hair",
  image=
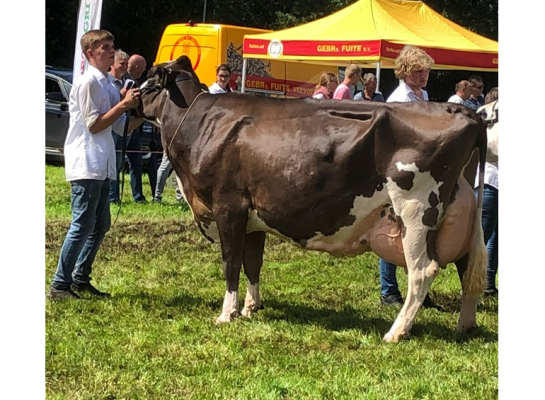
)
(413, 67)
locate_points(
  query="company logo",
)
(189, 47)
(275, 48)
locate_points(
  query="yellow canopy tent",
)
(374, 32)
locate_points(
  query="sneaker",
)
(157, 200)
(391, 299)
(491, 292)
(62, 294)
(428, 303)
(87, 287)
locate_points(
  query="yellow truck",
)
(209, 45)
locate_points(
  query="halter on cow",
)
(342, 177)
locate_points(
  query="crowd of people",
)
(100, 104)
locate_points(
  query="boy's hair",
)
(223, 67)
(411, 59)
(90, 39)
(352, 70)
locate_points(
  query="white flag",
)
(88, 18)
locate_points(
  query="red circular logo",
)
(188, 46)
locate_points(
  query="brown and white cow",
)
(342, 177)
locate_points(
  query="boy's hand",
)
(132, 98)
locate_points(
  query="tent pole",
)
(244, 65)
(378, 76)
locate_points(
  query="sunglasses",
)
(223, 76)
(479, 87)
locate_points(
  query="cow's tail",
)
(475, 274)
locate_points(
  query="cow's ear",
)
(184, 62)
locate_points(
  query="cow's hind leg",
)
(252, 262)
(232, 231)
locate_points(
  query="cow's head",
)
(173, 81)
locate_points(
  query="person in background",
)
(327, 85)
(135, 70)
(89, 156)
(162, 176)
(412, 68)
(352, 76)
(117, 71)
(476, 87)
(223, 74)
(462, 93)
(490, 213)
(369, 91)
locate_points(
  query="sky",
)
(23, 212)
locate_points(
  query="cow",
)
(490, 113)
(342, 177)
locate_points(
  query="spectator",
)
(326, 87)
(117, 71)
(162, 175)
(352, 76)
(89, 155)
(412, 68)
(462, 93)
(476, 87)
(490, 213)
(223, 74)
(135, 69)
(369, 91)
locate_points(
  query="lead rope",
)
(183, 118)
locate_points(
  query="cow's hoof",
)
(467, 328)
(251, 311)
(224, 318)
(389, 337)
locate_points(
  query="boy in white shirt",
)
(90, 164)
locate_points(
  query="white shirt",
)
(404, 93)
(216, 89)
(455, 99)
(91, 155)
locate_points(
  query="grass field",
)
(318, 337)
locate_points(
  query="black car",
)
(58, 83)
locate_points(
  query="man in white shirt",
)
(413, 67)
(462, 93)
(89, 156)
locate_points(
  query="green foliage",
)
(319, 336)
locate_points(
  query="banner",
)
(89, 13)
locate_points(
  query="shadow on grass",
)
(331, 319)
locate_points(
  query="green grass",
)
(319, 336)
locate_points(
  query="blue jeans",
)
(134, 157)
(490, 231)
(388, 279)
(90, 222)
(114, 185)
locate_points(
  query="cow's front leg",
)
(231, 228)
(253, 261)
(419, 245)
(419, 282)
